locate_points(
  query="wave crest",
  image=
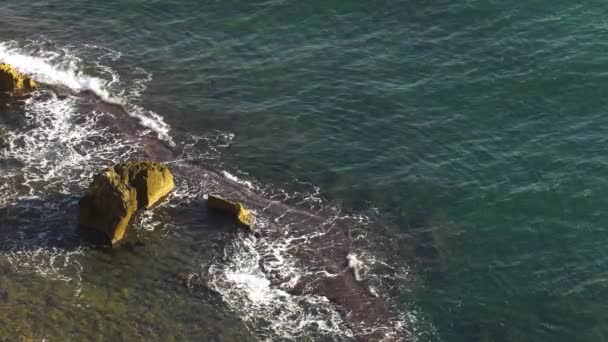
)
(61, 66)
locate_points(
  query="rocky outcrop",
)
(118, 192)
(152, 180)
(109, 205)
(13, 81)
(243, 216)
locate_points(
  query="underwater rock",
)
(13, 81)
(117, 192)
(244, 217)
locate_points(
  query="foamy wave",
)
(63, 67)
(56, 150)
(273, 312)
(55, 68)
(236, 179)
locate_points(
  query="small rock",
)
(243, 215)
(13, 81)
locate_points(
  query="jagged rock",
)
(117, 192)
(13, 81)
(243, 215)
(108, 206)
(152, 180)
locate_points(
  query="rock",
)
(108, 206)
(13, 81)
(243, 215)
(117, 192)
(152, 180)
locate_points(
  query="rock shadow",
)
(34, 223)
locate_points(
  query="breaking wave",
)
(61, 66)
(269, 309)
(236, 179)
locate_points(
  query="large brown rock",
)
(109, 205)
(13, 81)
(117, 192)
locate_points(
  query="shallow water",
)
(184, 274)
(455, 148)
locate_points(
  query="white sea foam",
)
(52, 67)
(236, 179)
(55, 149)
(51, 154)
(63, 67)
(357, 266)
(272, 311)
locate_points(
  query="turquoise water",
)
(471, 134)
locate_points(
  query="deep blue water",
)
(471, 134)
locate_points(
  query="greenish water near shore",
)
(474, 130)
